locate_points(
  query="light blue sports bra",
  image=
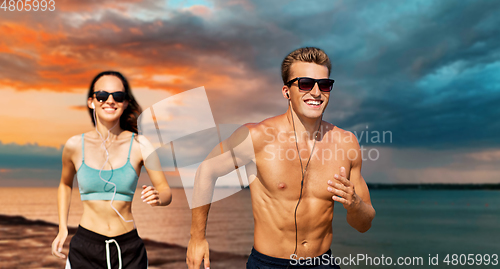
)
(92, 187)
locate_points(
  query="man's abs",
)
(274, 233)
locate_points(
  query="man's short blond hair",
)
(308, 55)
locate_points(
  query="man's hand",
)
(344, 191)
(197, 250)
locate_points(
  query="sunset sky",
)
(427, 71)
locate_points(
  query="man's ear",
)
(285, 91)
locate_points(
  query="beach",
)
(28, 225)
(409, 223)
(26, 244)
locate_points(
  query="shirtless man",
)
(292, 222)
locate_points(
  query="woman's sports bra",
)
(92, 187)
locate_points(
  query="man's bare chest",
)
(279, 169)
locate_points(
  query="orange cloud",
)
(57, 58)
(60, 61)
(22, 36)
(200, 10)
(96, 27)
(55, 80)
(136, 30)
(4, 48)
(79, 108)
(18, 33)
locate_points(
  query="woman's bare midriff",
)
(99, 217)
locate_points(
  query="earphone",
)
(287, 95)
(107, 157)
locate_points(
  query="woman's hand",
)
(58, 243)
(150, 195)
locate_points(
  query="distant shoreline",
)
(433, 186)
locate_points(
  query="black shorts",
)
(258, 260)
(88, 249)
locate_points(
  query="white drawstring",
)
(119, 253)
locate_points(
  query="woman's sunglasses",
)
(307, 84)
(102, 96)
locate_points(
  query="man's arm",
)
(236, 151)
(198, 245)
(354, 194)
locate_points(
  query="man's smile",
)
(315, 103)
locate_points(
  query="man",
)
(292, 197)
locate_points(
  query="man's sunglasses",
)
(307, 84)
(102, 96)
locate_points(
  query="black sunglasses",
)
(102, 96)
(307, 84)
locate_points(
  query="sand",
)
(27, 244)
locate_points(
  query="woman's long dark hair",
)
(128, 120)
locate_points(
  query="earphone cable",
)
(102, 167)
(302, 170)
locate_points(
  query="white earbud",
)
(93, 106)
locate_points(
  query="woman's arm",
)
(160, 194)
(64, 195)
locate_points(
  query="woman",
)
(106, 236)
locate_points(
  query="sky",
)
(424, 71)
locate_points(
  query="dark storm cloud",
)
(427, 71)
(183, 38)
(436, 86)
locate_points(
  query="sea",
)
(416, 228)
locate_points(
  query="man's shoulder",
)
(259, 129)
(339, 135)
